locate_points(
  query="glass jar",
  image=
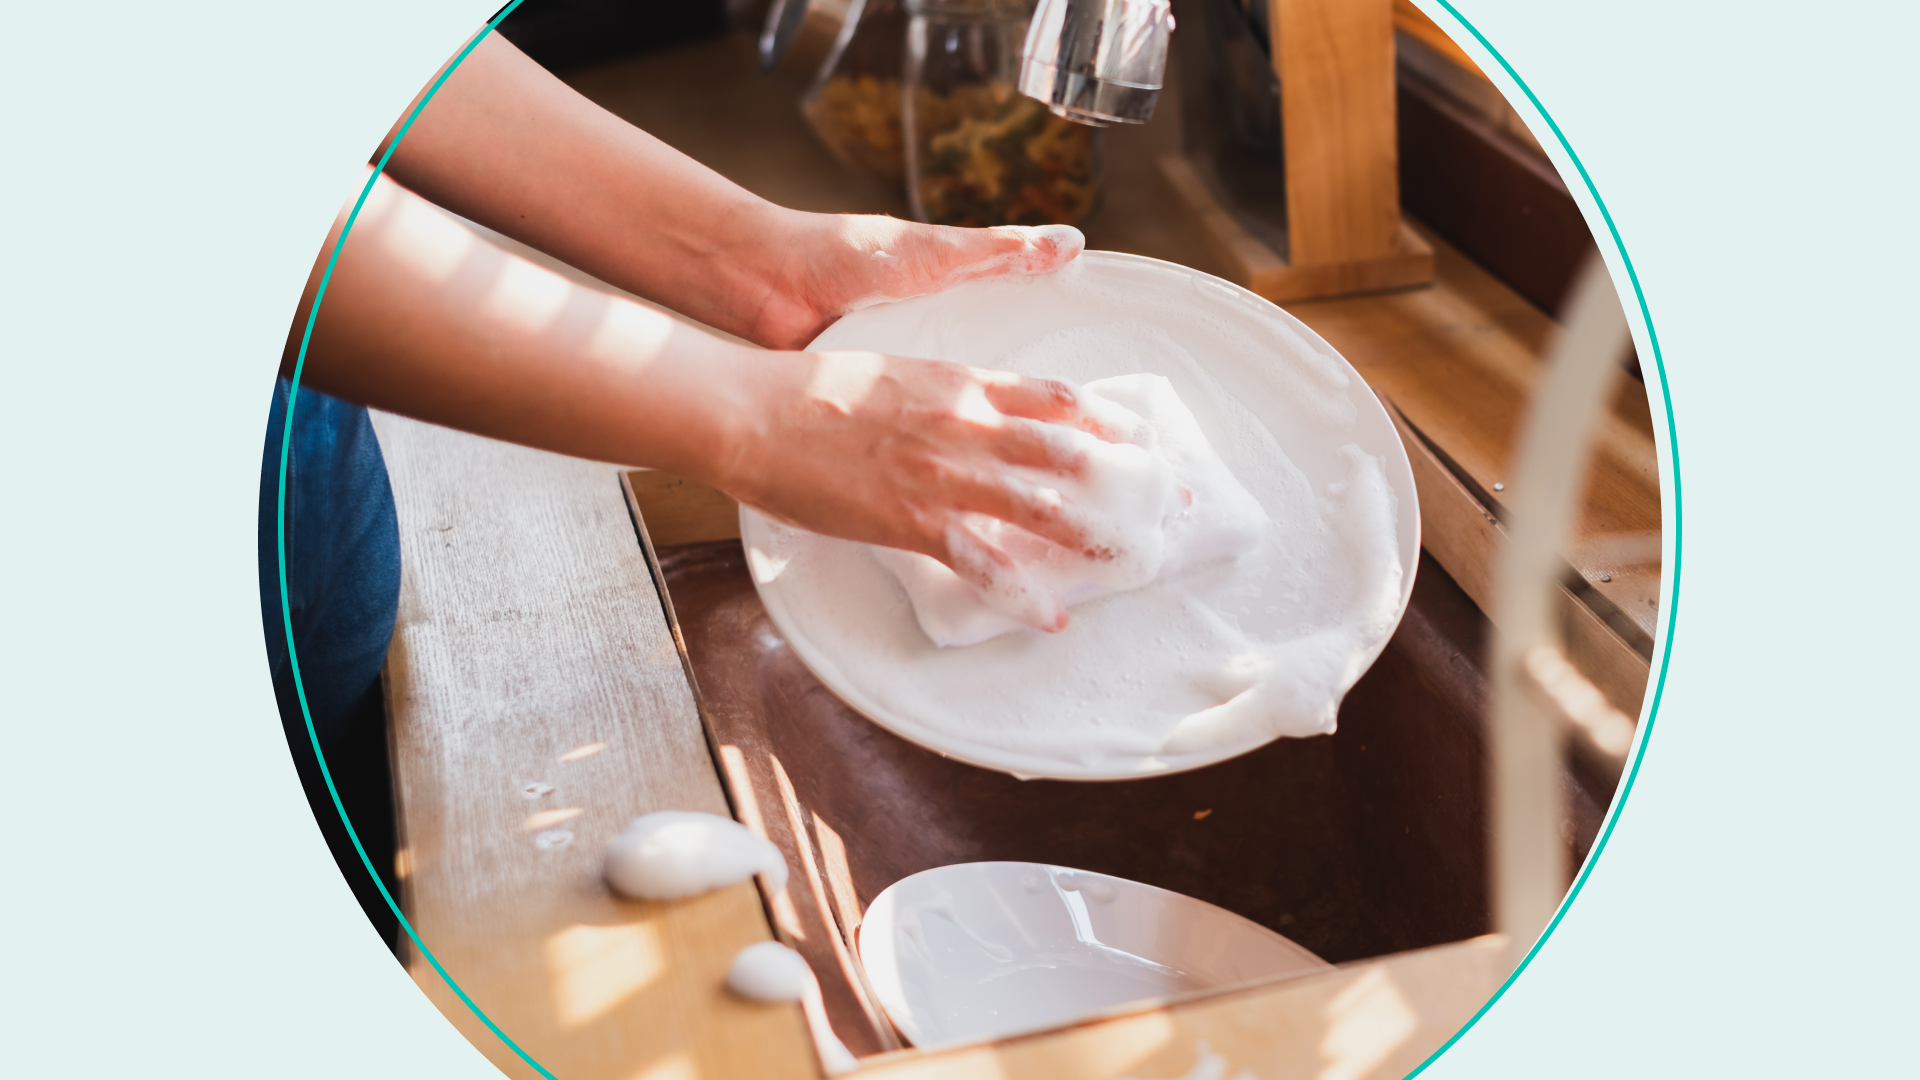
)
(854, 104)
(979, 152)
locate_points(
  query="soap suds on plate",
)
(1149, 510)
(1216, 653)
(677, 853)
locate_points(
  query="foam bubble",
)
(1148, 511)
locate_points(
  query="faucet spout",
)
(1098, 62)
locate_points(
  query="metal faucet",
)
(1098, 62)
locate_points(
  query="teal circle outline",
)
(1613, 816)
(1645, 734)
(286, 608)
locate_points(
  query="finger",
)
(1053, 448)
(1009, 249)
(1035, 399)
(1041, 510)
(1110, 421)
(1043, 248)
(1060, 401)
(1005, 586)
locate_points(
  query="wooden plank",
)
(1372, 1019)
(538, 704)
(678, 511)
(1469, 541)
(1334, 59)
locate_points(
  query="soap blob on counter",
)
(769, 971)
(678, 853)
(1153, 508)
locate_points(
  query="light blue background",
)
(1752, 915)
(169, 909)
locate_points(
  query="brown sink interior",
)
(1365, 842)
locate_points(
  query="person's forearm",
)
(424, 318)
(507, 144)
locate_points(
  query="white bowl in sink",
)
(980, 951)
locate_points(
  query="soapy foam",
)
(1065, 242)
(676, 853)
(1150, 510)
(1222, 654)
(769, 971)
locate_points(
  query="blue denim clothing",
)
(343, 589)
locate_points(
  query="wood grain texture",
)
(1334, 59)
(677, 511)
(537, 705)
(1372, 1019)
(1469, 542)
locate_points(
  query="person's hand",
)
(907, 453)
(819, 267)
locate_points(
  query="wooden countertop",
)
(537, 704)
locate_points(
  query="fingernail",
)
(1066, 240)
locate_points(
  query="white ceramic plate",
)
(1265, 369)
(981, 951)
